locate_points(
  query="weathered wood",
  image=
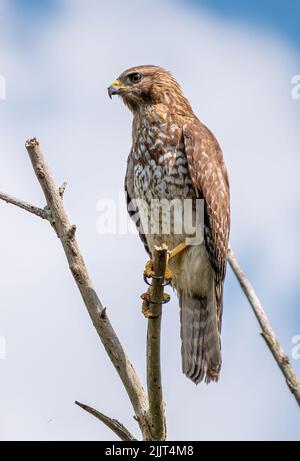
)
(154, 382)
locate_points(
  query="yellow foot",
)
(148, 314)
(146, 311)
(168, 274)
(149, 272)
(146, 307)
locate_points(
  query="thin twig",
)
(62, 189)
(267, 331)
(24, 205)
(98, 315)
(155, 394)
(118, 428)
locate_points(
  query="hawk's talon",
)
(146, 279)
(156, 277)
(148, 314)
(147, 302)
(149, 273)
(167, 282)
(146, 311)
(146, 298)
(166, 298)
(168, 275)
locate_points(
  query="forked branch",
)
(151, 420)
(56, 214)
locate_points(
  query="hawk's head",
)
(147, 85)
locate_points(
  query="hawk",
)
(175, 156)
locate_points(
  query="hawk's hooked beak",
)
(115, 88)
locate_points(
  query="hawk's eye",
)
(135, 77)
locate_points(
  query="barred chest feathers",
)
(160, 164)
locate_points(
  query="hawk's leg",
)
(177, 250)
(149, 270)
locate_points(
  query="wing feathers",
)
(210, 179)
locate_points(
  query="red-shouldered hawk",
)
(174, 156)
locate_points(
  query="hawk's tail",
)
(201, 345)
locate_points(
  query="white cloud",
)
(239, 84)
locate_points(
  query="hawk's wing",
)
(130, 202)
(210, 179)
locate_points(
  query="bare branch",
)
(267, 331)
(98, 315)
(24, 205)
(155, 395)
(112, 424)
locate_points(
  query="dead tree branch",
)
(24, 205)
(156, 297)
(113, 424)
(78, 268)
(267, 331)
(56, 214)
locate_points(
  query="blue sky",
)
(29, 7)
(280, 15)
(277, 16)
(58, 58)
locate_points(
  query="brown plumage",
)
(174, 156)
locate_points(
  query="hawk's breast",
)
(160, 164)
(162, 182)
